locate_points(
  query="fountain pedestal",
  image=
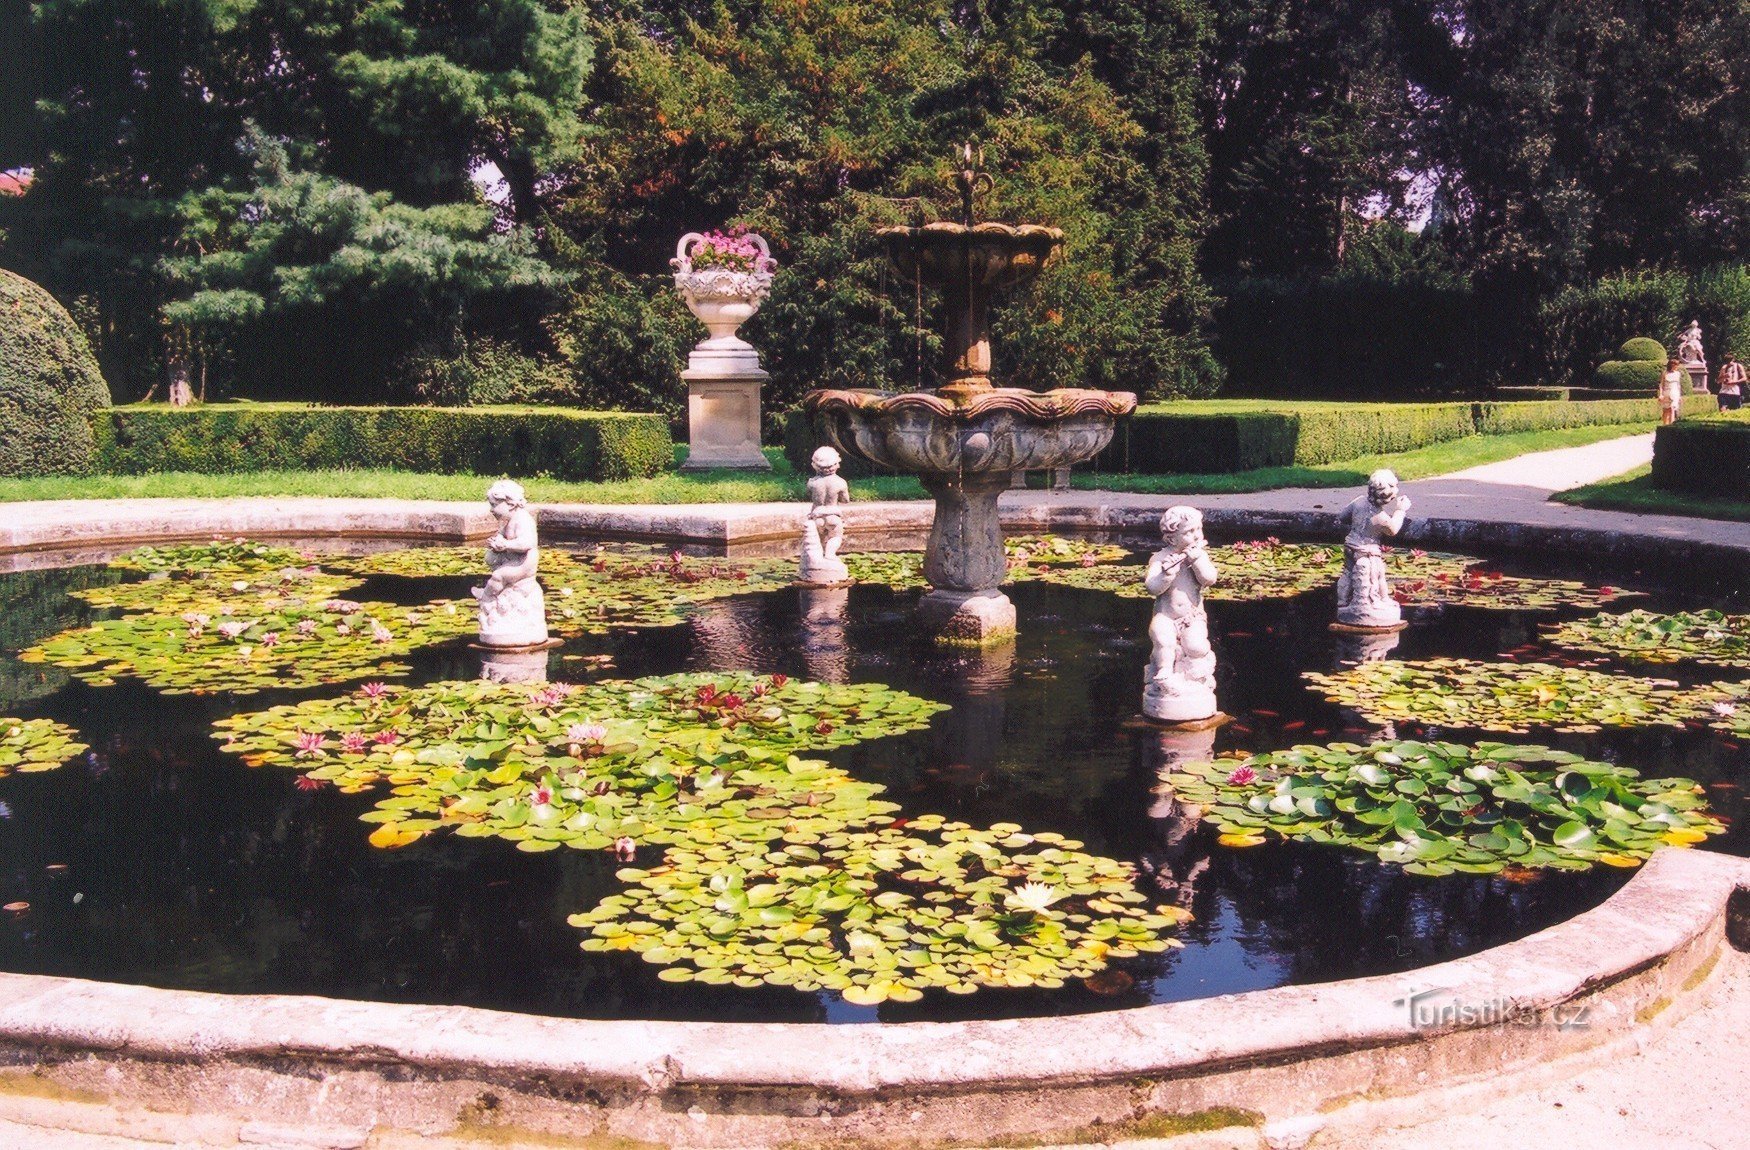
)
(965, 562)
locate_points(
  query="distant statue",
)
(1364, 597)
(513, 611)
(1179, 685)
(181, 394)
(1689, 344)
(823, 529)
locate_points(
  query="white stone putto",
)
(1364, 597)
(513, 611)
(1179, 685)
(823, 529)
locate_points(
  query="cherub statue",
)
(1689, 344)
(513, 611)
(1179, 685)
(823, 529)
(1364, 597)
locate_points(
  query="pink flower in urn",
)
(625, 850)
(353, 743)
(1242, 777)
(309, 744)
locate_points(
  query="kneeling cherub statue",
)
(513, 611)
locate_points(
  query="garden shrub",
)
(49, 385)
(1709, 456)
(1640, 375)
(1642, 348)
(484, 372)
(555, 442)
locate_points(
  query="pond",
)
(159, 857)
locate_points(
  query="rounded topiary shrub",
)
(49, 385)
(1643, 350)
(1641, 375)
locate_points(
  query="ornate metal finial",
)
(970, 179)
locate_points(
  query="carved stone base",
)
(1343, 628)
(968, 618)
(723, 422)
(1189, 703)
(813, 572)
(525, 665)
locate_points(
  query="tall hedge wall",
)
(553, 442)
(1223, 436)
(49, 385)
(1708, 456)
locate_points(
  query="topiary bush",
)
(1641, 375)
(1709, 456)
(1641, 348)
(49, 385)
(216, 438)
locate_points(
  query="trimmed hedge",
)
(1640, 348)
(49, 385)
(1217, 437)
(1708, 456)
(216, 438)
(1641, 375)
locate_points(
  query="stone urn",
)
(723, 298)
(723, 278)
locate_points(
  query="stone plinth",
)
(1697, 376)
(528, 665)
(968, 618)
(723, 420)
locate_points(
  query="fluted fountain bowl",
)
(988, 255)
(1002, 430)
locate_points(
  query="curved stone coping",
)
(1275, 1053)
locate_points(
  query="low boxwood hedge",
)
(1225, 436)
(1708, 456)
(521, 441)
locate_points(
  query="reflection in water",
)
(823, 633)
(1353, 650)
(510, 666)
(1177, 856)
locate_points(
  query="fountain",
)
(966, 439)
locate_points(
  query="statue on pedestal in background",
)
(1179, 685)
(1691, 355)
(823, 530)
(513, 611)
(1364, 598)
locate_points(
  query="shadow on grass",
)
(1634, 491)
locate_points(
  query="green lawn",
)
(781, 483)
(1634, 491)
(1420, 463)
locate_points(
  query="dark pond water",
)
(157, 859)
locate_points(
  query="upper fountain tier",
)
(969, 425)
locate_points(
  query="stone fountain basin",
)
(1005, 429)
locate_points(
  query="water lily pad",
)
(36, 745)
(1508, 696)
(1709, 637)
(1439, 807)
(883, 914)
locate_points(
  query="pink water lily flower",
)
(353, 743)
(342, 629)
(625, 850)
(309, 744)
(585, 733)
(386, 738)
(542, 796)
(233, 628)
(381, 633)
(375, 689)
(1242, 777)
(271, 639)
(306, 626)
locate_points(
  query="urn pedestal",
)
(723, 372)
(723, 421)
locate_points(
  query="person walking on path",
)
(1670, 392)
(1732, 376)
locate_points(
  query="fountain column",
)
(965, 562)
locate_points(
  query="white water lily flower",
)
(1725, 710)
(1032, 896)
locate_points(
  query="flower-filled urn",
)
(723, 276)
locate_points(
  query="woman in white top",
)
(1670, 392)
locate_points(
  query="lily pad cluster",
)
(1509, 696)
(1647, 637)
(36, 745)
(261, 637)
(882, 914)
(214, 590)
(1438, 807)
(220, 555)
(679, 758)
(1054, 550)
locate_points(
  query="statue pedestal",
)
(514, 665)
(1697, 376)
(723, 415)
(1181, 702)
(967, 618)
